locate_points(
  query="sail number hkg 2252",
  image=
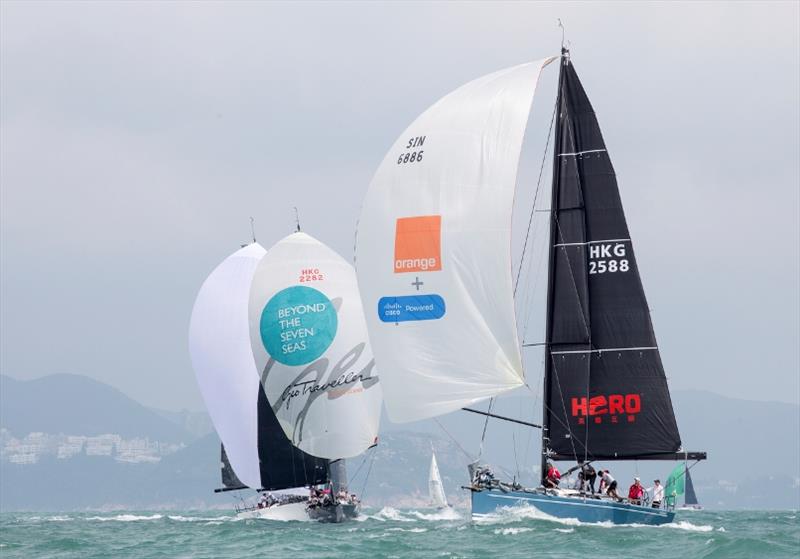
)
(608, 257)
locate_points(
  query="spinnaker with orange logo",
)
(433, 251)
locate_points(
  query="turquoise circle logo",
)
(298, 325)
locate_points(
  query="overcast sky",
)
(136, 139)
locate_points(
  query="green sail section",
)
(676, 483)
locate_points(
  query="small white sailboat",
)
(435, 486)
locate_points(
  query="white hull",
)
(289, 511)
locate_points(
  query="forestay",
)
(219, 345)
(434, 249)
(311, 350)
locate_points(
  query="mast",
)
(550, 268)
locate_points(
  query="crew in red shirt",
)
(636, 492)
(553, 476)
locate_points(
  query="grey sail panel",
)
(606, 390)
(230, 481)
(690, 496)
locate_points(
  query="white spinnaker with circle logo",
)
(219, 345)
(310, 343)
(470, 142)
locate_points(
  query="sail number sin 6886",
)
(412, 154)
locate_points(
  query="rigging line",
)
(572, 277)
(536, 394)
(571, 137)
(564, 406)
(538, 252)
(540, 266)
(588, 388)
(485, 425)
(452, 438)
(535, 196)
(369, 471)
(355, 475)
(558, 419)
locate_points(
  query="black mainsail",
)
(282, 465)
(606, 394)
(230, 481)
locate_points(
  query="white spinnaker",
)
(467, 349)
(435, 487)
(309, 339)
(219, 345)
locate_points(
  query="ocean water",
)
(393, 533)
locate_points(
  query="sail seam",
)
(581, 152)
(602, 350)
(593, 242)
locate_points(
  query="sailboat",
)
(278, 343)
(690, 501)
(680, 482)
(434, 265)
(435, 487)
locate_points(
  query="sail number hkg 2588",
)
(608, 258)
(412, 153)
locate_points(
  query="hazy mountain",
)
(196, 423)
(78, 405)
(754, 453)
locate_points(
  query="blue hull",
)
(489, 501)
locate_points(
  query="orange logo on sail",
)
(418, 244)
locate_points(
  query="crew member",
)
(553, 476)
(636, 492)
(658, 493)
(611, 485)
(589, 476)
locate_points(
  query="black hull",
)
(334, 514)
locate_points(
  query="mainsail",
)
(605, 388)
(690, 497)
(230, 481)
(435, 487)
(283, 465)
(256, 451)
(309, 339)
(433, 249)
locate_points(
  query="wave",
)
(507, 515)
(56, 518)
(217, 519)
(684, 525)
(389, 513)
(511, 531)
(448, 513)
(125, 518)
